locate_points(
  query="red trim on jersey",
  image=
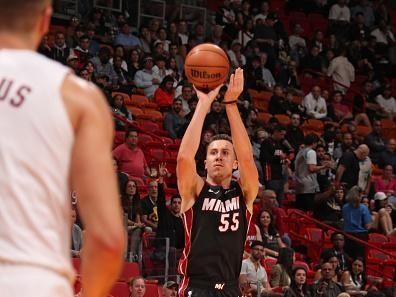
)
(249, 221)
(183, 286)
(187, 222)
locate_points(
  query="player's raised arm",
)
(93, 178)
(188, 181)
(240, 139)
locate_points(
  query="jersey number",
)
(226, 224)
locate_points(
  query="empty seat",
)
(120, 289)
(129, 270)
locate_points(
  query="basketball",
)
(206, 66)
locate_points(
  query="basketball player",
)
(56, 132)
(216, 211)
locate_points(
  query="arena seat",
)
(136, 111)
(138, 100)
(120, 289)
(130, 269)
(377, 238)
(152, 290)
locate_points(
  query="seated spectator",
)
(165, 93)
(131, 206)
(124, 81)
(268, 234)
(386, 183)
(268, 78)
(357, 221)
(359, 31)
(388, 156)
(354, 279)
(298, 285)
(160, 67)
(127, 39)
(253, 277)
(288, 78)
(149, 208)
(338, 241)
(185, 96)
(387, 103)
(375, 141)
(146, 78)
(76, 235)
(60, 52)
(137, 287)
(312, 61)
(250, 121)
(215, 116)
(237, 59)
(259, 136)
(326, 286)
(297, 44)
(118, 107)
(341, 71)
(327, 206)
(329, 257)
(291, 106)
(294, 134)
(174, 121)
(170, 289)
(119, 51)
(133, 63)
(90, 69)
(277, 104)
(103, 66)
(315, 105)
(281, 272)
(81, 51)
(254, 74)
(382, 220)
(130, 157)
(365, 101)
(383, 34)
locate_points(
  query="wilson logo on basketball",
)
(205, 75)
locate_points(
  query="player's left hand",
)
(235, 86)
(210, 97)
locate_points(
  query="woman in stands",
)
(90, 68)
(281, 272)
(354, 280)
(382, 214)
(165, 94)
(298, 286)
(131, 207)
(171, 67)
(137, 287)
(118, 107)
(268, 234)
(133, 63)
(386, 183)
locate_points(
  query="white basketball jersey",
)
(36, 139)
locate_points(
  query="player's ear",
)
(235, 165)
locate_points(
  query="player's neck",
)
(223, 182)
(11, 41)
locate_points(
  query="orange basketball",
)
(206, 66)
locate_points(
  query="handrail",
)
(325, 226)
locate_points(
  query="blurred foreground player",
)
(50, 121)
(216, 211)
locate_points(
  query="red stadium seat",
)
(377, 238)
(129, 270)
(120, 289)
(152, 290)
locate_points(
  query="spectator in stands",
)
(145, 39)
(119, 51)
(268, 234)
(164, 94)
(130, 157)
(259, 136)
(387, 103)
(72, 62)
(122, 177)
(215, 116)
(312, 61)
(281, 272)
(288, 78)
(192, 104)
(354, 279)
(386, 183)
(253, 277)
(118, 107)
(81, 51)
(388, 156)
(348, 168)
(124, 82)
(382, 220)
(294, 134)
(357, 221)
(265, 35)
(338, 241)
(254, 74)
(60, 51)
(268, 78)
(160, 67)
(250, 121)
(183, 31)
(146, 78)
(315, 105)
(297, 44)
(93, 43)
(277, 104)
(174, 121)
(237, 58)
(298, 286)
(103, 66)
(273, 159)
(90, 68)
(200, 156)
(174, 52)
(133, 63)
(327, 206)
(326, 286)
(186, 95)
(245, 34)
(77, 233)
(383, 34)
(375, 141)
(341, 71)
(359, 31)
(365, 172)
(324, 176)
(339, 17)
(329, 257)
(149, 208)
(137, 287)
(127, 39)
(364, 9)
(163, 37)
(346, 145)
(170, 289)
(306, 168)
(132, 208)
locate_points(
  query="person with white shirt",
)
(315, 105)
(236, 57)
(383, 34)
(341, 71)
(387, 103)
(340, 12)
(253, 277)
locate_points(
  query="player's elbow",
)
(110, 241)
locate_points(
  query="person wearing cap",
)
(170, 289)
(253, 277)
(146, 78)
(236, 57)
(72, 62)
(382, 220)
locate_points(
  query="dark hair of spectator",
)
(166, 79)
(130, 203)
(310, 139)
(84, 37)
(129, 131)
(285, 259)
(293, 285)
(271, 228)
(279, 128)
(123, 108)
(335, 234)
(362, 275)
(174, 197)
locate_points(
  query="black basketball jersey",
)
(215, 233)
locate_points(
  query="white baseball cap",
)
(380, 196)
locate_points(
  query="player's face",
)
(138, 288)
(300, 277)
(220, 159)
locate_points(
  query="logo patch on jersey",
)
(219, 286)
(213, 204)
(214, 192)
